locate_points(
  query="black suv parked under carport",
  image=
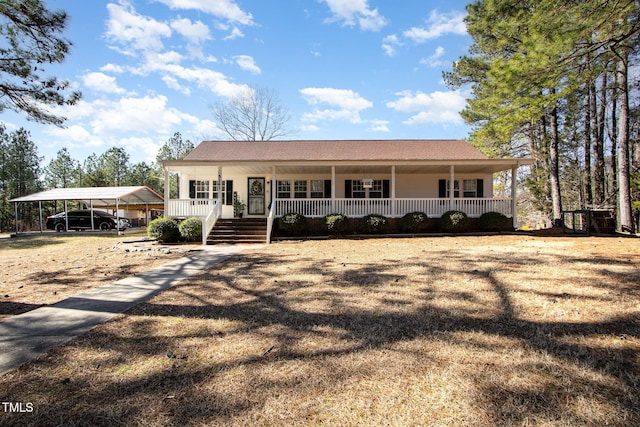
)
(81, 220)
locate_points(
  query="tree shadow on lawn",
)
(357, 308)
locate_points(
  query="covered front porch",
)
(316, 190)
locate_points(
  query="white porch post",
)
(219, 198)
(514, 174)
(393, 191)
(333, 188)
(451, 186)
(274, 189)
(167, 189)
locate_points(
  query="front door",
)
(256, 196)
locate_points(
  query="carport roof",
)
(97, 195)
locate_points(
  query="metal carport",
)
(92, 196)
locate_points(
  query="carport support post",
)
(40, 214)
(514, 175)
(66, 217)
(16, 210)
(93, 226)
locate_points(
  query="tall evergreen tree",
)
(62, 171)
(31, 38)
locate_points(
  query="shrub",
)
(494, 221)
(292, 224)
(336, 223)
(191, 229)
(454, 221)
(416, 222)
(164, 230)
(375, 224)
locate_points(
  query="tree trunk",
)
(554, 170)
(588, 126)
(625, 217)
(598, 117)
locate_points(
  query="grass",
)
(41, 269)
(478, 331)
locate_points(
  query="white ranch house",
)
(354, 177)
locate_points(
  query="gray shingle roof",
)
(334, 150)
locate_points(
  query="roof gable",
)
(334, 150)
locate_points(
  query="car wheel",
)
(104, 226)
(60, 227)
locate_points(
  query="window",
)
(202, 189)
(357, 189)
(224, 191)
(375, 192)
(317, 189)
(300, 189)
(470, 188)
(456, 188)
(284, 189)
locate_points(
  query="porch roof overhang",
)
(471, 166)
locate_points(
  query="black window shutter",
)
(347, 188)
(229, 193)
(480, 188)
(327, 188)
(442, 188)
(386, 185)
(192, 189)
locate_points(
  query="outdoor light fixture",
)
(367, 183)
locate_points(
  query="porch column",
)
(333, 188)
(393, 191)
(167, 188)
(274, 190)
(451, 186)
(219, 201)
(514, 173)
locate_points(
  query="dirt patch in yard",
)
(474, 331)
(37, 270)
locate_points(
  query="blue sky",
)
(345, 69)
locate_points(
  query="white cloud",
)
(348, 103)
(225, 9)
(134, 31)
(344, 98)
(75, 135)
(390, 43)
(356, 12)
(436, 107)
(434, 60)
(130, 114)
(102, 83)
(379, 126)
(195, 32)
(438, 25)
(235, 34)
(112, 68)
(207, 79)
(247, 63)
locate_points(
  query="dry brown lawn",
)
(41, 269)
(442, 331)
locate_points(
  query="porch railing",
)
(185, 208)
(435, 207)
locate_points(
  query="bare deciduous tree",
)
(255, 114)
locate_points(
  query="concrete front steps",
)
(238, 230)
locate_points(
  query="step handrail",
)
(270, 219)
(210, 220)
